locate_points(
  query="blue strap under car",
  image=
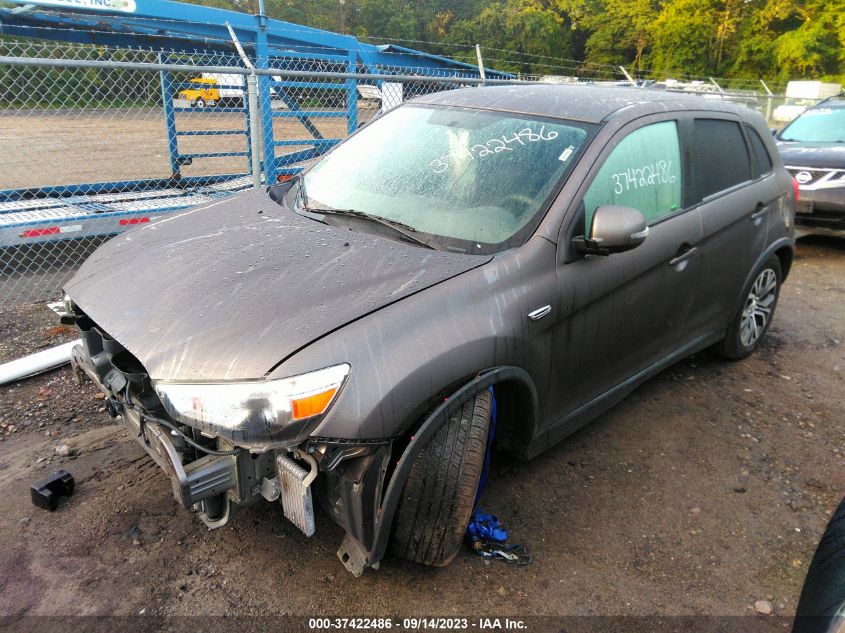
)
(486, 534)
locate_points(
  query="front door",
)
(619, 315)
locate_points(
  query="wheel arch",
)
(517, 415)
(517, 405)
(784, 250)
(786, 254)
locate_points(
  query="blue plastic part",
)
(485, 526)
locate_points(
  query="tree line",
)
(772, 39)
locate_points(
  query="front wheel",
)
(747, 328)
(439, 494)
(200, 103)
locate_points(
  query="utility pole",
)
(480, 63)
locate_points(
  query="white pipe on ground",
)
(36, 363)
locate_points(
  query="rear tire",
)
(439, 494)
(823, 596)
(751, 323)
(200, 103)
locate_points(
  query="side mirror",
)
(614, 230)
(774, 131)
(278, 190)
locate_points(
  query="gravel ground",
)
(704, 492)
(129, 143)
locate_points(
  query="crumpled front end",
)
(216, 471)
(206, 472)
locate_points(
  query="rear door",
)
(733, 198)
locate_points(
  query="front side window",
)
(643, 172)
(817, 125)
(475, 181)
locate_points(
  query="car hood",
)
(818, 155)
(229, 290)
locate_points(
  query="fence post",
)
(768, 101)
(480, 64)
(254, 129)
(265, 106)
(352, 95)
(169, 117)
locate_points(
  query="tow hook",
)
(113, 407)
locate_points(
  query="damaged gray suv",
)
(485, 266)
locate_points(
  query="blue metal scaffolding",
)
(184, 29)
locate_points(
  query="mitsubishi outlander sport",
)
(478, 267)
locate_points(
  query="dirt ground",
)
(705, 491)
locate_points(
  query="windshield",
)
(474, 181)
(818, 125)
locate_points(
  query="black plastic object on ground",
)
(45, 493)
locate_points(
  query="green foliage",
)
(787, 40)
(527, 27)
(773, 39)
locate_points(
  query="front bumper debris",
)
(206, 477)
(295, 488)
(210, 474)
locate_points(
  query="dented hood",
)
(229, 290)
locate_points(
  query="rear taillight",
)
(796, 189)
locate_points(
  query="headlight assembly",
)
(257, 414)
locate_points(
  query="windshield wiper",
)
(401, 228)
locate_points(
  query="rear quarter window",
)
(720, 157)
(760, 155)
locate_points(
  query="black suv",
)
(505, 261)
(813, 150)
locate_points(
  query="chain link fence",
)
(95, 140)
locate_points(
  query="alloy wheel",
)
(758, 307)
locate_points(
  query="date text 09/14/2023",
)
(417, 623)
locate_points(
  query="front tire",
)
(751, 323)
(439, 494)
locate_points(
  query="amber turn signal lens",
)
(311, 405)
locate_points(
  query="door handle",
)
(761, 210)
(684, 255)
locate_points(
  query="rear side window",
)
(643, 171)
(720, 156)
(762, 160)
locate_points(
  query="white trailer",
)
(801, 95)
